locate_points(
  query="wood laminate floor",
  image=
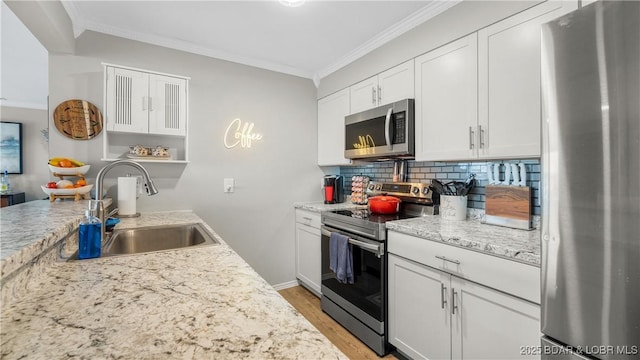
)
(309, 306)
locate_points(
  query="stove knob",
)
(425, 191)
(415, 190)
(371, 186)
(379, 187)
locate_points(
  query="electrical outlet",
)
(229, 185)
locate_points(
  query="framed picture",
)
(10, 147)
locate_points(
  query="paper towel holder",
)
(138, 186)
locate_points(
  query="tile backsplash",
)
(424, 171)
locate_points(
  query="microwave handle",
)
(387, 130)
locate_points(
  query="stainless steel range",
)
(361, 307)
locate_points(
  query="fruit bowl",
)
(80, 170)
(71, 191)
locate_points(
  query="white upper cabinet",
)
(145, 108)
(479, 96)
(509, 55)
(145, 102)
(446, 81)
(331, 112)
(387, 87)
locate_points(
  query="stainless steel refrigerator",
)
(591, 187)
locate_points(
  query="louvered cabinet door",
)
(167, 108)
(127, 100)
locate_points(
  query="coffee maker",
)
(333, 192)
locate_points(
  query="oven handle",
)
(377, 249)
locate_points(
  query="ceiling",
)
(311, 41)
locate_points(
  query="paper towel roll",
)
(127, 195)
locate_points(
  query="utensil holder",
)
(453, 207)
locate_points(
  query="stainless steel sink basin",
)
(155, 238)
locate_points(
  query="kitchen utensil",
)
(383, 204)
(508, 206)
(490, 173)
(437, 187)
(468, 185)
(515, 174)
(523, 175)
(507, 174)
(496, 174)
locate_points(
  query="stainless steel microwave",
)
(383, 132)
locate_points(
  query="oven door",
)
(365, 298)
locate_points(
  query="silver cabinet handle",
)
(481, 131)
(443, 291)
(373, 95)
(454, 306)
(307, 218)
(379, 94)
(470, 137)
(457, 262)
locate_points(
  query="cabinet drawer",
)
(308, 218)
(511, 277)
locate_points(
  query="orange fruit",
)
(68, 187)
(65, 163)
(81, 182)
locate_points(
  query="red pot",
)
(384, 204)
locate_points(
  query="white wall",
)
(258, 219)
(34, 151)
(23, 69)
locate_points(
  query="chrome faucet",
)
(148, 183)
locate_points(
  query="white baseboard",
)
(285, 285)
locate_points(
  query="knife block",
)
(508, 206)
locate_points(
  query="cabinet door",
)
(331, 112)
(419, 319)
(489, 324)
(447, 101)
(126, 100)
(396, 84)
(509, 82)
(364, 95)
(167, 105)
(308, 257)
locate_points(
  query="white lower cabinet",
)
(308, 257)
(434, 314)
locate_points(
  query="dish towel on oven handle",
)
(340, 258)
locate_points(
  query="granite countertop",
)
(203, 302)
(512, 244)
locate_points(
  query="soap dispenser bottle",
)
(89, 242)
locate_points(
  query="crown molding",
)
(431, 10)
(77, 22)
(195, 49)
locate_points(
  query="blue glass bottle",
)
(89, 244)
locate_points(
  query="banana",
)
(76, 163)
(56, 161)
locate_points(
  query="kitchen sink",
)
(155, 238)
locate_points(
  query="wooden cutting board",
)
(78, 119)
(508, 206)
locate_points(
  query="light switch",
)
(229, 184)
